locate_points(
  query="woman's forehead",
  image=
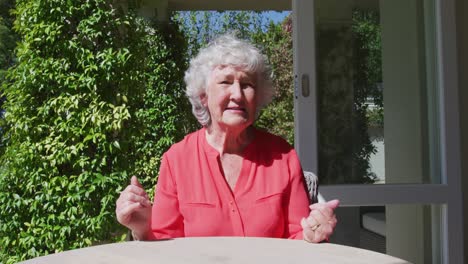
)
(224, 70)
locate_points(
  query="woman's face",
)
(231, 97)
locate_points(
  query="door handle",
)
(305, 85)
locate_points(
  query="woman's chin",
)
(237, 122)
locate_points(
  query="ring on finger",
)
(315, 227)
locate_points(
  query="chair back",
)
(312, 186)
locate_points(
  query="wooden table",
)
(227, 250)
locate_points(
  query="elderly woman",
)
(228, 178)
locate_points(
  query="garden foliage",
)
(278, 116)
(95, 97)
(348, 70)
(7, 37)
(8, 41)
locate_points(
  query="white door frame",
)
(448, 194)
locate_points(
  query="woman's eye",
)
(251, 85)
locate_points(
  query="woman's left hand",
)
(321, 222)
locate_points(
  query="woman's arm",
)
(166, 219)
(315, 225)
(297, 206)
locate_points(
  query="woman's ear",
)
(204, 100)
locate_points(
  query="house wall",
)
(403, 72)
(462, 36)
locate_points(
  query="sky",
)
(277, 16)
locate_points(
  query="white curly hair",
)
(226, 50)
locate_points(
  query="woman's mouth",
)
(236, 109)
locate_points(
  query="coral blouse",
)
(194, 199)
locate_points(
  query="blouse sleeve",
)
(298, 203)
(166, 219)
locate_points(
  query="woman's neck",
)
(227, 140)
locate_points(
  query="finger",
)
(307, 225)
(313, 225)
(311, 222)
(134, 198)
(323, 233)
(332, 222)
(319, 237)
(315, 235)
(326, 231)
(307, 233)
(321, 206)
(316, 217)
(134, 181)
(317, 227)
(333, 204)
(135, 207)
(125, 212)
(122, 205)
(135, 190)
(304, 224)
(310, 236)
(318, 206)
(326, 211)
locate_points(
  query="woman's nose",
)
(236, 91)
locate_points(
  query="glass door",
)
(376, 119)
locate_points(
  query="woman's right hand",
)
(133, 209)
